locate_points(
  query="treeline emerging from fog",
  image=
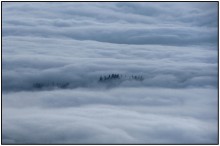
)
(111, 77)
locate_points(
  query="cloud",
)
(122, 115)
(85, 22)
(80, 66)
(165, 56)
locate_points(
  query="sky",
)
(54, 53)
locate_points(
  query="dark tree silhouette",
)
(119, 76)
(38, 85)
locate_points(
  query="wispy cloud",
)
(176, 24)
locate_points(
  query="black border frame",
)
(112, 1)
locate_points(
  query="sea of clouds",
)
(172, 45)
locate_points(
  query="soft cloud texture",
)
(173, 45)
(143, 23)
(122, 115)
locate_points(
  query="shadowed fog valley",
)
(109, 73)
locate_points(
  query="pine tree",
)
(100, 79)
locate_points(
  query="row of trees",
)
(118, 76)
(39, 85)
(63, 85)
(140, 78)
(109, 77)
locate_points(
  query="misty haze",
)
(109, 72)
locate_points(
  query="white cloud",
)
(122, 115)
(191, 24)
(173, 46)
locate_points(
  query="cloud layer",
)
(81, 63)
(172, 45)
(176, 24)
(122, 115)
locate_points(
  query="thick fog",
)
(109, 73)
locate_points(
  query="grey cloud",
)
(53, 55)
(80, 66)
(113, 34)
(57, 21)
(115, 116)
